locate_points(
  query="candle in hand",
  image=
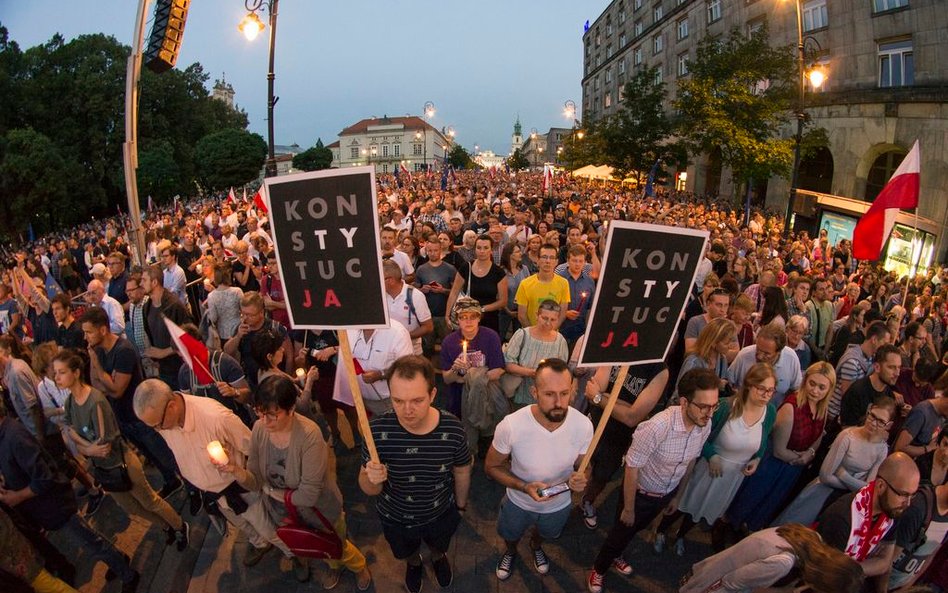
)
(464, 350)
(582, 301)
(216, 452)
(301, 375)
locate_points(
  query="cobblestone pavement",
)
(213, 563)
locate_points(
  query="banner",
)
(646, 278)
(325, 231)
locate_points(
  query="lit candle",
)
(582, 301)
(216, 452)
(199, 268)
(464, 350)
(301, 375)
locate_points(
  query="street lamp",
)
(429, 111)
(251, 26)
(569, 110)
(533, 145)
(816, 77)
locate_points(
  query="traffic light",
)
(166, 34)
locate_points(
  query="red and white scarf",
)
(865, 534)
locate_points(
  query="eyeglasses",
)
(469, 317)
(878, 421)
(272, 416)
(706, 408)
(547, 257)
(164, 412)
(767, 390)
(906, 495)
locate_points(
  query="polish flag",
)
(231, 197)
(259, 203)
(901, 192)
(244, 200)
(193, 352)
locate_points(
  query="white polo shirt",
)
(398, 310)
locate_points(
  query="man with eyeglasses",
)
(119, 276)
(542, 286)
(174, 278)
(915, 345)
(187, 423)
(657, 467)
(771, 347)
(861, 523)
(862, 392)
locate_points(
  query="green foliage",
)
(316, 158)
(737, 98)
(228, 158)
(590, 149)
(813, 140)
(73, 95)
(637, 135)
(518, 161)
(460, 158)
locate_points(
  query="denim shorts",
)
(513, 521)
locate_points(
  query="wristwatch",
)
(597, 399)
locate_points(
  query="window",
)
(755, 26)
(621, 16)
(637, 56)
(354, 152)
(622, 66)
(598, 60)
(714, 10)
(597, 83)
(683, 64)
(658, 74)
(608, 75)
(385, 150)
(657, 13)
(607, 103)
(896, 64)
(814, 15)
(397, 149)
(384, 168)
(638, 4)
(680, 2)
(884, 5)
(638, 27)
(608, 51)
(622, 40)
(682, 29)
(416, 149)
(609, 27)
(657, 43)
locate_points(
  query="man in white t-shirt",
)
(544, 443)
(414, 314)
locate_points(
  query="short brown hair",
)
(410, 366)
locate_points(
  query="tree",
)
(518, 161)
(637, 135)
(737, 98)
(584, 147)
(158, 173)
(228, 158)
(316, 158)
(460, 158)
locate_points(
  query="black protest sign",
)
(326, 234)
(646, 277)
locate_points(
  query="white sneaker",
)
(659, 544)
(680, 546)
(589, 514)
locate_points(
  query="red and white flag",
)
(231, 197)
(547, 179)
(193, 352)
(900, 192)
(244, 200)
(259, 202)
(151, 204)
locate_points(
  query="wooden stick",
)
(345, 351)
(606, 413)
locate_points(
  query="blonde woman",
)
(798, 432)
(715, 343)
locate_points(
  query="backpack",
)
(410, 301)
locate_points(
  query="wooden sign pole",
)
(345, 350)
(606, 413)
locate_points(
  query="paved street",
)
(213, 563)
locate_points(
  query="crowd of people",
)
(799, 416)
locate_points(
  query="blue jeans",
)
(81, 535)
(153, 447)
(513, 521)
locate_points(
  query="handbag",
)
(115, 478)
(305, 541)
(509, 383)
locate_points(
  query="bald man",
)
(96, 296)
(861, 523)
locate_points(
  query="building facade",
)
(887, 84)
(388, 142)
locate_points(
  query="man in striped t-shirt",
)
(424, 472)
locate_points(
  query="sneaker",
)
(132, 585)
(442, 570)
(300, 569)
(183, 536)
(170, 488)
(622, 567)
(540, 561)
(505, 566)
(413, 577)
(219, 523)
(659, 544)
(169, 536)
(589, 514)
(594, 582)
(195, 502)
(364, 579)
(330, 578)
(680, 546)
(94, 503)
(255, 555)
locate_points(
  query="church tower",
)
(223, 91)
(516, 141)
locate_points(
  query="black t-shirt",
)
(246, 360)
(483, 288)
(185, 259)
(836, 523)
(122, 358)
(617, 434)
(157, 331)
(252, 282)
(856, 400)
(70, 337)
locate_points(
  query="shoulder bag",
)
(305, 541)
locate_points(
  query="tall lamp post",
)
(817, 77)
(429, 111)
(533, 145)
(251, 26)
